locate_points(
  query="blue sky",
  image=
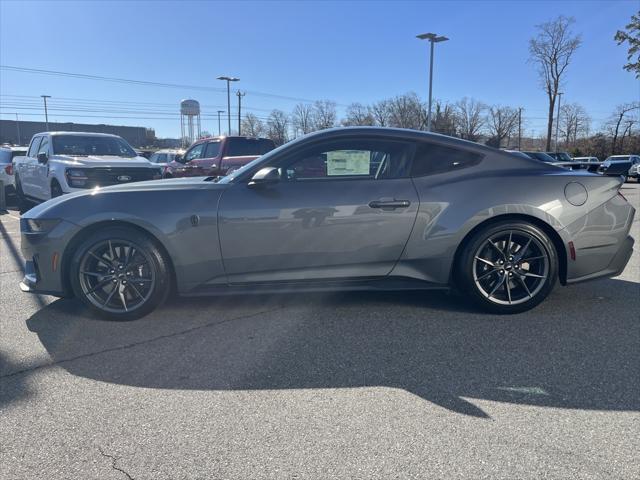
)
(342, 51)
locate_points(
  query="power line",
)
(85, 76)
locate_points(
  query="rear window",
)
(5, 156)
(242, 147)
(431, 158)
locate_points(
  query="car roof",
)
(13, 148)
(92, 134)
(399, 134)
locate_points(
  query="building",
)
(20, 133)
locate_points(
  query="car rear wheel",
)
(56, 189)
(21, 200)
(508, 267)
(120, 274)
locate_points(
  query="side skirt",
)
(377, 284)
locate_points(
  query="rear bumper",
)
(615, 268)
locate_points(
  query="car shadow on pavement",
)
(572, 351)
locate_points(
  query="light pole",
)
(219, 112)
(46, 115)
(433, 38)
(558, 119)
(228, 80)
(240, 95)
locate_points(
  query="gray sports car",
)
(349, 209)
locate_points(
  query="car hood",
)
(103, 161)
(46, 209)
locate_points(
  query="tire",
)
(503, 281)
(56, 189)
(21, 201)
(114, 293)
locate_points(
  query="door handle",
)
(389, 203)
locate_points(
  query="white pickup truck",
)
(64, 162)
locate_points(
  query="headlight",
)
(38, 225)
(76, 177)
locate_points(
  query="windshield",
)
(617, 159)
(84, 145)
(243, 147)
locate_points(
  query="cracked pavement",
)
(357, 385)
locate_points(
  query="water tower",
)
(189, 121)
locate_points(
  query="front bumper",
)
(44, 260)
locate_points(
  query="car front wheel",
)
(508, 267)
(120, 274)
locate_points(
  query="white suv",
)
(64, 162)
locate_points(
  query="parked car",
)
(543, 157)
(618, 165)
(162, 157)
(218, 156)
(64, 162)
(560, 156)
(349, 209)
(7, 154)
(588, 163)
(634, 171)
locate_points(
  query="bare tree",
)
(632, 37)
(574, 122)
(252, 126)
(551, 50)
(324, 114)
(622, 113)
(277, 127)
(380, 113)
(358, 114)
(444, 119)
(469, 118)
(502, 122)
(406, 111)
(627, 132)
(302, 118)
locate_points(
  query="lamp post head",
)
(228, 79)
(432, 37)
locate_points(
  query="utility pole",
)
(219, 112)
(558, 119)
(46, 115)
(519, 128)
(228, 80)
(18, 128)
(240, 95)
(433, 38)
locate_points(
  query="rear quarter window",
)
(431, 158)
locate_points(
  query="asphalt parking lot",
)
(410, 385)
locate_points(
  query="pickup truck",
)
(217, 156)
(62, 162)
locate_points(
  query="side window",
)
(33, 148)
(194, 153)
(44, 146)
(154, 158)
(212, 150)
(431, 158)
(162, 158)
(350, 159)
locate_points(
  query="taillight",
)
(9, 169)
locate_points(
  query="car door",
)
(26, 170)
(188, 165)
(209, 163)
(342, 209)
(41, 187)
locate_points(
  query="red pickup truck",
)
(214, 156)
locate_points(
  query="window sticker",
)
(348, 162)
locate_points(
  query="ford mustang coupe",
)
(342, 209)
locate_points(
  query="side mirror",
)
(265, 176)
(43, 158)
